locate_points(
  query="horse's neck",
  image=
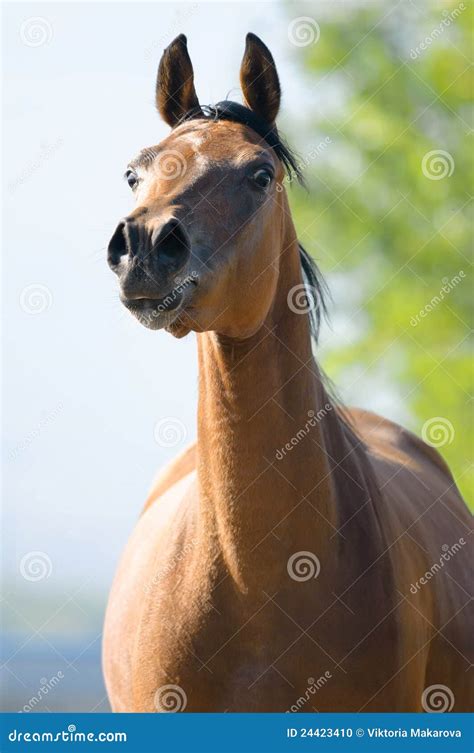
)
(261, 449)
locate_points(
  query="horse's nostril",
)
(118, 245)
(171, 244)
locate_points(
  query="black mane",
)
(237, 113)
(317, 291)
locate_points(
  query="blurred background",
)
(377, 102)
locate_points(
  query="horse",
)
(301, 556)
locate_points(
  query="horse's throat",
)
(262, 462)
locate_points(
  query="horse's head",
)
(201, 249)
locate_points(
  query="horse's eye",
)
(262, 177)
(132, 178)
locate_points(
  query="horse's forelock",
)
(237, 113)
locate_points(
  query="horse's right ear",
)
(259, 79)
(175, 93)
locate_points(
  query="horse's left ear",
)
(259, 79)
(175, 93)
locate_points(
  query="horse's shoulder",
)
(395, 443)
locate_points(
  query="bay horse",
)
(300, 556)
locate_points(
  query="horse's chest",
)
(178, 631)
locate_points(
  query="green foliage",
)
(387, 230)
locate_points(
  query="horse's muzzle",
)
(148, 261)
